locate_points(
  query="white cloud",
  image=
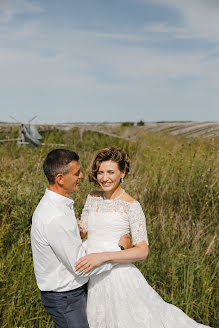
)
(123, 37)
(43, 67)
(199, 17)
(170, 31)
(74, 63)
(11, 8)
(70, 54)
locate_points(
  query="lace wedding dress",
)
(122, 298)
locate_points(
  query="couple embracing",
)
(117, 295)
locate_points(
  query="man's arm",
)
(64, 240)
(63, 237)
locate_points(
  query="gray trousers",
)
(67, 309)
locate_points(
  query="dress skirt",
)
(122, 298)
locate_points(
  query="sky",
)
(109, 61)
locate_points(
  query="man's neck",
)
(58, 190)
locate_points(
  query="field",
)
(174, 177)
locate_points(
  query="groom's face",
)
(72, 179)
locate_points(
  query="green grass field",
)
(175, 180)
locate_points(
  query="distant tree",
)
(140, 123)
(127, 124)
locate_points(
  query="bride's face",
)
(109, 175)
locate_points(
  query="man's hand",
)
(83, 234)
(82, 229)
(125, 241)
(90, 261)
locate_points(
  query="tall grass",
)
(176, 181)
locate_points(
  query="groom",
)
(56, 244)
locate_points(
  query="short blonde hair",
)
(109, 154)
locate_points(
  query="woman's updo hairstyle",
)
(109, 154)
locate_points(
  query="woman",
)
(121, 298)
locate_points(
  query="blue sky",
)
(95, 61)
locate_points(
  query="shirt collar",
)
(62, 200)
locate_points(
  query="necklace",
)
(120, 195)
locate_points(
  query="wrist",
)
(108, 257)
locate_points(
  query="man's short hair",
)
(57, 162)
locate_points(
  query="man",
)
(56, 243)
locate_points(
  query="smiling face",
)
(72, 178)
(109, 175)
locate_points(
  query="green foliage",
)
(140, 123)
(174, 179)
(127, 124)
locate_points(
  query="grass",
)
(175, 180)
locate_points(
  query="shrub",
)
(140, 123)
(127, 124)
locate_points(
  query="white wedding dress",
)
(122, 298)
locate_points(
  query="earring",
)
(121, 180)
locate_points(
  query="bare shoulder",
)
(96, 193)
(127, 198)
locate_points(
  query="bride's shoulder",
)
(127, 198)
(96, 193)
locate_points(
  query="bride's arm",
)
(90, 261)
(138, 252)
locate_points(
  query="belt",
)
(65, 292)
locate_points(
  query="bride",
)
(120, 298)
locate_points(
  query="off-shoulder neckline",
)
(115, 200)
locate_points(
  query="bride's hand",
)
(90, 261)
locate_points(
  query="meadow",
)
(176, 181)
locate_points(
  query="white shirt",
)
(56, 245)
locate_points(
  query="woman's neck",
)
(112, 194)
